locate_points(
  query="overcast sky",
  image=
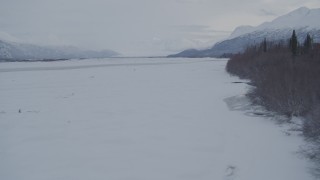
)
(135, 27)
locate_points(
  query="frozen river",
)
(135, 119)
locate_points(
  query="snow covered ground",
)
(136, 119)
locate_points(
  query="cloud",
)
(191, 27)
(199, 29)
(264, 12)
(191, 1)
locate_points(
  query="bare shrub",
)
(285, 83)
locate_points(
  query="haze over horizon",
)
(135, 28)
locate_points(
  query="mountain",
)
(20, 51)
(241, 30)
(303, 20)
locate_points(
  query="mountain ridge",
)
(303, 20)
(23, 51)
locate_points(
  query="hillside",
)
(303, 20)
(19, 51)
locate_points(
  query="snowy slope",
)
(303, 20)
(18, 51)
(241, 30)
(137, 119)
(300, 18)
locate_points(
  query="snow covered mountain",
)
(303, 20)
(20, 51)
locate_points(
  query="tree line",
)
(285, 76)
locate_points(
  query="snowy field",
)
(136, 119)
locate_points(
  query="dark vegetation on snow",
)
(286, 79)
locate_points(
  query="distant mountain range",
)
(303, 20)
(11, 51)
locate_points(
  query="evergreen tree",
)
(307, 43)
(265, 45)
(294, 43)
